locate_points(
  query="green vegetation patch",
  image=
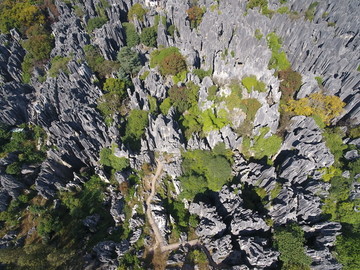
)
(108, 158)
(290, 241)
(262, 5)
(98, 63)
(137, 121)
(278, 60)
(58, 64)
(195, 15)
(130, 63)
(252, 84)
(201, 73)
(169, 60)
(136, 12)
(94, 23)
(310, 12)
(131, 36)
(205, 170)
(262, 146)
(27, 143)
(148, 37)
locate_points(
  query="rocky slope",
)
(232, 234)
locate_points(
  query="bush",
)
(109, 104)
(202, 73)
(251, 83)
(165, 106)
(310, 12)
(290, 83)
(278, 60)
(172, 65)
(169, 60)
(20, 15)
(58, 64)
(348, 248)
(326, 107)
(148, 37)
(135, 128)
(136, 12)
(132, 37)
(98, 63)
(195, 15)
(205, 170)
(115, 86)
(183, 97)
(108, 158)
(39, 47)
(258, 34)
(130, 63)
(95, 23)
(290, 242)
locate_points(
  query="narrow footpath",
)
(159, 241)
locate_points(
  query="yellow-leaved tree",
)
(317, 104)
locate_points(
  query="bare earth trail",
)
(159, 241)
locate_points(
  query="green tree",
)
(132, 37)
(135, 128)
(136, 12)
(290, 241)
(130, 63)
(95, 23)
(108, 158)
(148, 37)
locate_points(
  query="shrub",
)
(165, 106)
(95, 23)
(115, 86)
(251, 83)
(283, 10)
(98, 63)
(108, 158)
(263, 6)
(130, 63)
(39, 47)
(333, 139)
(169, 60)
(326, 107)
(258, 34)
(135, 128)
(290, 242)
(205, 170)
(310, 12)
(290, 83)
(171, 30)
(132, 37)
(172, 65)
(109, 104)
(136, 12)
(58, 64)
(148, 37)
(183, 97)
(348, 248)
(20, 15)
(278, 60)
(201, 73)
(195, 15)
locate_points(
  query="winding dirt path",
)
(159, 241)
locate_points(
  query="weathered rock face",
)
(11, 56)
(164, 135)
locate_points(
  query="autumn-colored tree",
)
(172, 64)
(326, 107)
(290, 83)
(195, 15)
